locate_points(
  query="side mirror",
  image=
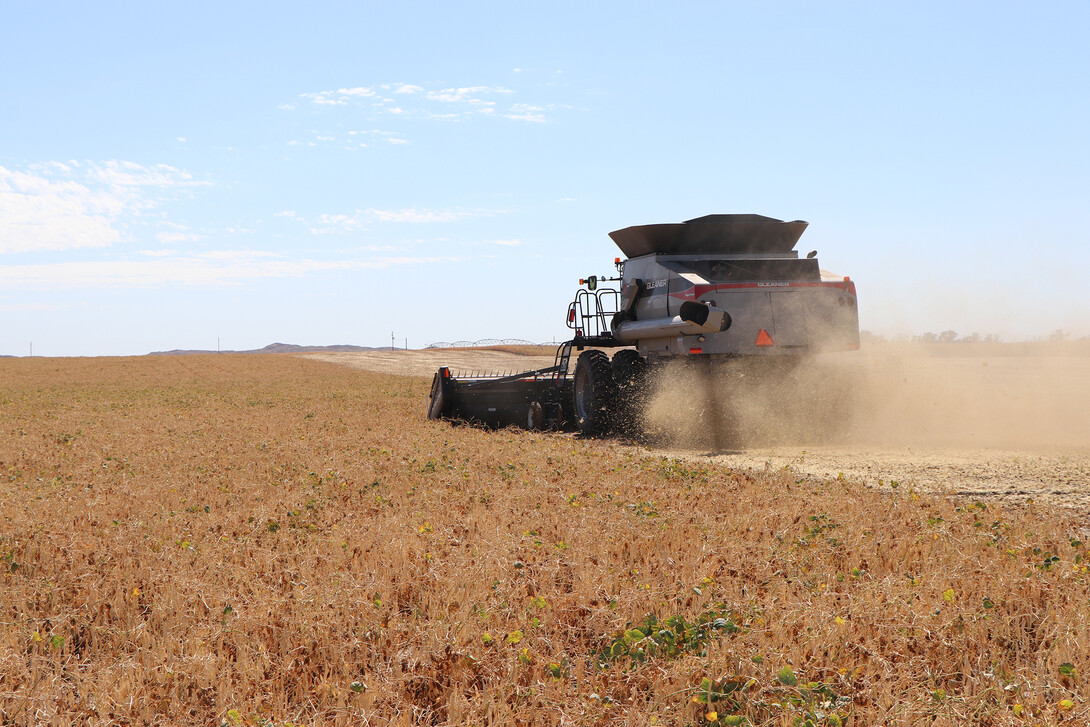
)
(592, 282)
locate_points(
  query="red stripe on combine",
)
(699, 291)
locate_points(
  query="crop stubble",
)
(269, 538)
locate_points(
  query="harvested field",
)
(270, 539)
(427, 362)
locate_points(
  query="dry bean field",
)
(275, 540)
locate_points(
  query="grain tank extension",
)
(711, 289)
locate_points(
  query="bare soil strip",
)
(427, 362)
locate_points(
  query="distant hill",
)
(281, 348)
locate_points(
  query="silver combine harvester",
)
(712, 290)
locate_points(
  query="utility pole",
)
(392, 344)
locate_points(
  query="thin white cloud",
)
(121, 174)
(38, 214)
(508, 243)
(339, 224)
(326, 138)
(467, 94)
(359, 92)
(526, 112)
(169, 237)
(418, 215)
(65, 206)
(239, 255)
(360, 220)
(208, 269)
(325, 98)
(338, 97)
(440, 103)
(25, 307)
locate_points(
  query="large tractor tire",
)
(595, 394)
(630, 372)
(629, 367)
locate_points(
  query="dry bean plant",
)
(270, 540)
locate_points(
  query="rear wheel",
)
(630, 371)
(595, 394)
(628, 367)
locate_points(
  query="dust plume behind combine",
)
(960, 395)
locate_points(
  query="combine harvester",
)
(714, 290)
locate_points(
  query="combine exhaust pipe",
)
(693, 319)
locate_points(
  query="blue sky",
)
(323, 173)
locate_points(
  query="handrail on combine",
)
(560, 363)
(589, 315)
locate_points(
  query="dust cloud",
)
(1001, 422)
(1024, 396)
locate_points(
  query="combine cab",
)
(712, 289)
